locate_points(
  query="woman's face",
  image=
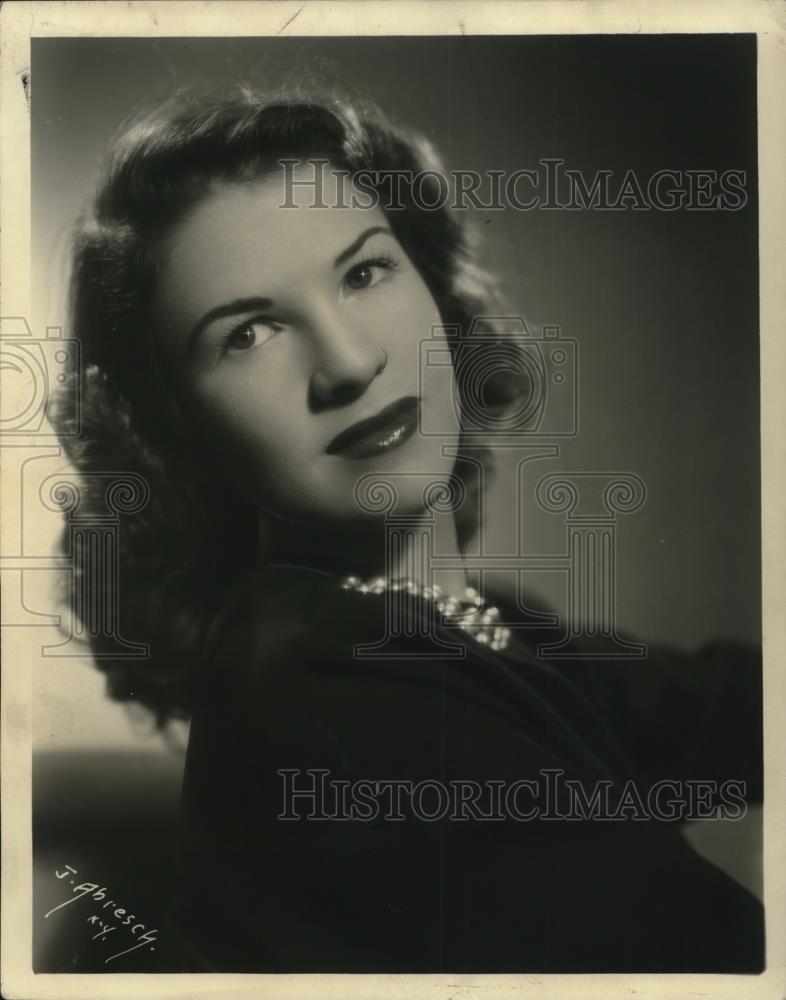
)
(284, 328)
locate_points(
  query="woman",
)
(252, 297)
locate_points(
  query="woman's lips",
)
(388, 430)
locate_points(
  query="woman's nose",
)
(346, 361)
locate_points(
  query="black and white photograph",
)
(392, 532)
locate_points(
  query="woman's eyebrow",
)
(221, 312)
(353, 247)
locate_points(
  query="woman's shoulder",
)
(274, 609)
(295, 634)
(288, 625)
(281, 632)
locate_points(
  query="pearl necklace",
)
(468, 612)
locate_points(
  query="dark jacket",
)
(532, 881)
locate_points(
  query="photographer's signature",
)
(107, 920)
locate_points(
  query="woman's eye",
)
(251, 334)
(367, 273)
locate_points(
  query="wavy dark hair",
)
(179, 555)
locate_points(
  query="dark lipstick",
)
(389, 429)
